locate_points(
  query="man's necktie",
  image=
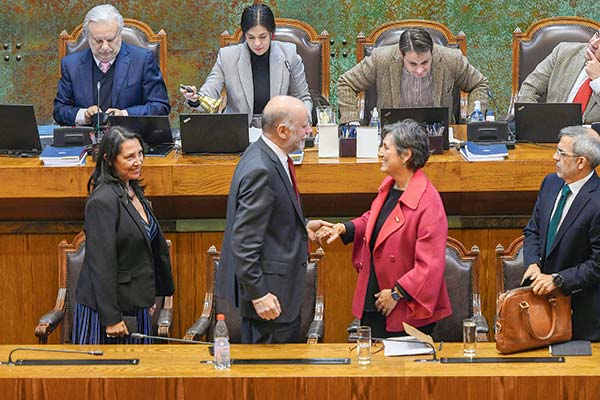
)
(583, 94)
(554, 221)
(104, 66)
(293, 177)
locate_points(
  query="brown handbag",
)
(527, 321)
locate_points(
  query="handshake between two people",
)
(324, 232)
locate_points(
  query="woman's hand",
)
(117, 330)
(385, 303)
(190, 93)
(331, 233)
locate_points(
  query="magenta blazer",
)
(410, 250)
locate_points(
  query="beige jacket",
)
(384, 69)
(555, 76)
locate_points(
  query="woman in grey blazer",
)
(254, 71)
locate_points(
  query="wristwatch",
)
(557, 280)
(395, 295)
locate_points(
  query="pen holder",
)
(347, 147)
(436, 144)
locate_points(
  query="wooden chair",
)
(538, 41)
(135, 32)
(509, 266)
(461, 274)
(389, 33)
(70, 262)
(312, 48)
(312, 311)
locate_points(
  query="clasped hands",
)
(93, 110)
(325, 232)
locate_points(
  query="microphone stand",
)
(167, 339)
(65, 361)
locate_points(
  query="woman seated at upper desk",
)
(253, 71)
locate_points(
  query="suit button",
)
(364, 239)
(392, 258)
(359, 265)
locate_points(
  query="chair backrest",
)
(135, 32)
(312, 48)
(389, 33)
(509, 266)
(70, 263)
(232, 314)
(531, 47)
(461, 271)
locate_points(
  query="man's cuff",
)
(80, 117)
(125, 113)
(595, 85)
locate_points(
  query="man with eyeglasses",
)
(570, 74)
(111, 76)
(562, 239)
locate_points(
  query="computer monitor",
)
(20, 134)
(542, 122)
(154, 130)
(214, 133)
(430, 116)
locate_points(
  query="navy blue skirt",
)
(87, 328)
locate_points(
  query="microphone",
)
(88, 352)
(167, 339)
(98, 86)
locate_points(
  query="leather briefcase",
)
(526, 321)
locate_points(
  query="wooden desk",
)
(174, 372)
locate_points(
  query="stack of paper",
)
(484, 152)
(405, 346)
(53, 156)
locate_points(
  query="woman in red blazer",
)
(400, 243)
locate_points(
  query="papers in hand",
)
(484, 152)
(405, 346)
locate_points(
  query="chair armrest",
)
(165, 318)
(47, 324)
(198, 329)
(315, 332)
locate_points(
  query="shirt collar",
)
(577, 185)
(278, 151)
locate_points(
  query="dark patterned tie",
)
(293, 177)
(553, 226)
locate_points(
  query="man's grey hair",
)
(586, 143)
(102, 13)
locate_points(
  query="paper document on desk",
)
(405, 346)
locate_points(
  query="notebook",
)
(214, 133)
(155, 131)
(19, 130)
(542, 122)
(430, 116)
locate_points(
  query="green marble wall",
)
(193, 29)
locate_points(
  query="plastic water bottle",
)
(489, 116)
(222, 350)
(477, 115)
(376, 122)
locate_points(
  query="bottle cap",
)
(220, 317)
(375, 113)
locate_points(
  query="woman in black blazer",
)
(126, 260)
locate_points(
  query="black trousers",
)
(267, 332)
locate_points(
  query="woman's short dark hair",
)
(257, 14)
(415, 39)
(409, 134)
(110, 148)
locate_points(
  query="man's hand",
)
(117, 330)
(543, 284)
(90, 112)
(115, 112)
(592, 65)
(267, 307)
(532, 272)
(330, 234)
(313, 226)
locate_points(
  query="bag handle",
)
(525, 309)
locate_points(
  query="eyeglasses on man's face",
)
(564, 154)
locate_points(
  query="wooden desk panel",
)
(174, 372)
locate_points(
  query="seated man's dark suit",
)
(265, 246)
(137, 86)
(575, 251)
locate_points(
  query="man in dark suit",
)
(562, 239)
(130, 79)
(265, 247)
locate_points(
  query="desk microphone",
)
(90, 352)
(167, 339)
(98, 86)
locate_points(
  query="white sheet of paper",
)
(254, 134)
(403, 346)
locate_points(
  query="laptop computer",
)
(214, 133)
(154, 130)
(20, 136)
(426, 115)
(542, 122)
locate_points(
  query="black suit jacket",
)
(122, 269)
(265, 245)
(575, 252)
